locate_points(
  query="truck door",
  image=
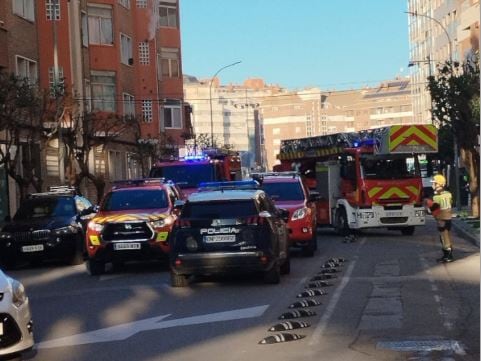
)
(349, 178)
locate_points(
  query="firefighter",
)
(440, 207)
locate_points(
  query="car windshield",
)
(219, 210)
(46, 207)
(382, 167)
(186, 176)
(288, 191)
(135, 199)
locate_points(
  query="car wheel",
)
(95, 268)
(177, 280)
(342, 226)
(273, 275)
(286, 266)
(407, 231)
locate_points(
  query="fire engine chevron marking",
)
(393, 191)
(373, 191)
(289, 325)
(280, 337)
(126, 330)
(418, 135)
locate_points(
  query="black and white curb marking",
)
(289, 325)
(305, 303)
(318, 284)
(311, 293)
(280, 337)
(328, 271)
(297, 314)
(322, 277)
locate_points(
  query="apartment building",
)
(112, 56)
(312, 112)
(439, 30)
(229, 115)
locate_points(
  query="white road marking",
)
(126, 330)
(321, 326)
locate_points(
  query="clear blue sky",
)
(326, 43)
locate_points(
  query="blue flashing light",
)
(196, 157)
(369, 142)
(356, 143)
(248, 184)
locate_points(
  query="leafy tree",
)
(455, 95)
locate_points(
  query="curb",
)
(466, 231)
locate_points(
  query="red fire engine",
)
(367, 179)
(188, 172)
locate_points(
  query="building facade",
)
(439, 31)
(112, 56)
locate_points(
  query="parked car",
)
(288, 191)
(134, 222)
(16, 327)
(48, 225)
(229, 227)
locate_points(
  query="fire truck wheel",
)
(341, 222)
(407, 231)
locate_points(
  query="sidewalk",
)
(466, 225)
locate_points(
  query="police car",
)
(229, 227)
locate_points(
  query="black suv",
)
(49, 225)
(229, 227)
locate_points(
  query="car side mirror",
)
(89, 210)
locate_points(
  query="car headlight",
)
(96, 227)
(5, 235)
(419, 213)
(158, 223)
(299, 213)
(18, 293)
(65, 230)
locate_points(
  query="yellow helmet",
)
(439, 179)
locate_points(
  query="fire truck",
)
(212, 165)
(366, 179)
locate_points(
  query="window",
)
(52, 9)
(99, 161)
(100, 25)
(26, 68)
(129, 104)
(125, 3)
(103, 90)
(85, 30)
(167, 15)
(56, 87)
(144, 53)
(142, 4)
(169, 63)
(24, 8)
(126, 50)
(172, 117)
(116, 165)
(147, 111)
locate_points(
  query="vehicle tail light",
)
(177, 262)
(264, 259)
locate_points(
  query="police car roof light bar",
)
(233, 185)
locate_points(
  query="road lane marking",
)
(321, 326)
(126, 330)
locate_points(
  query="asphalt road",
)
(390, 301)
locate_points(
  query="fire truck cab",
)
(370, 179)
(188, 172)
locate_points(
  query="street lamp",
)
(456, 151)
(427, 61)
(210, 101)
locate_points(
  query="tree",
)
(455, 95)
(84, 134)
(24, 110)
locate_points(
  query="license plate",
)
(126, 246)
(1, 329)
(33, 248)
(394, 214)
(218, 238)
